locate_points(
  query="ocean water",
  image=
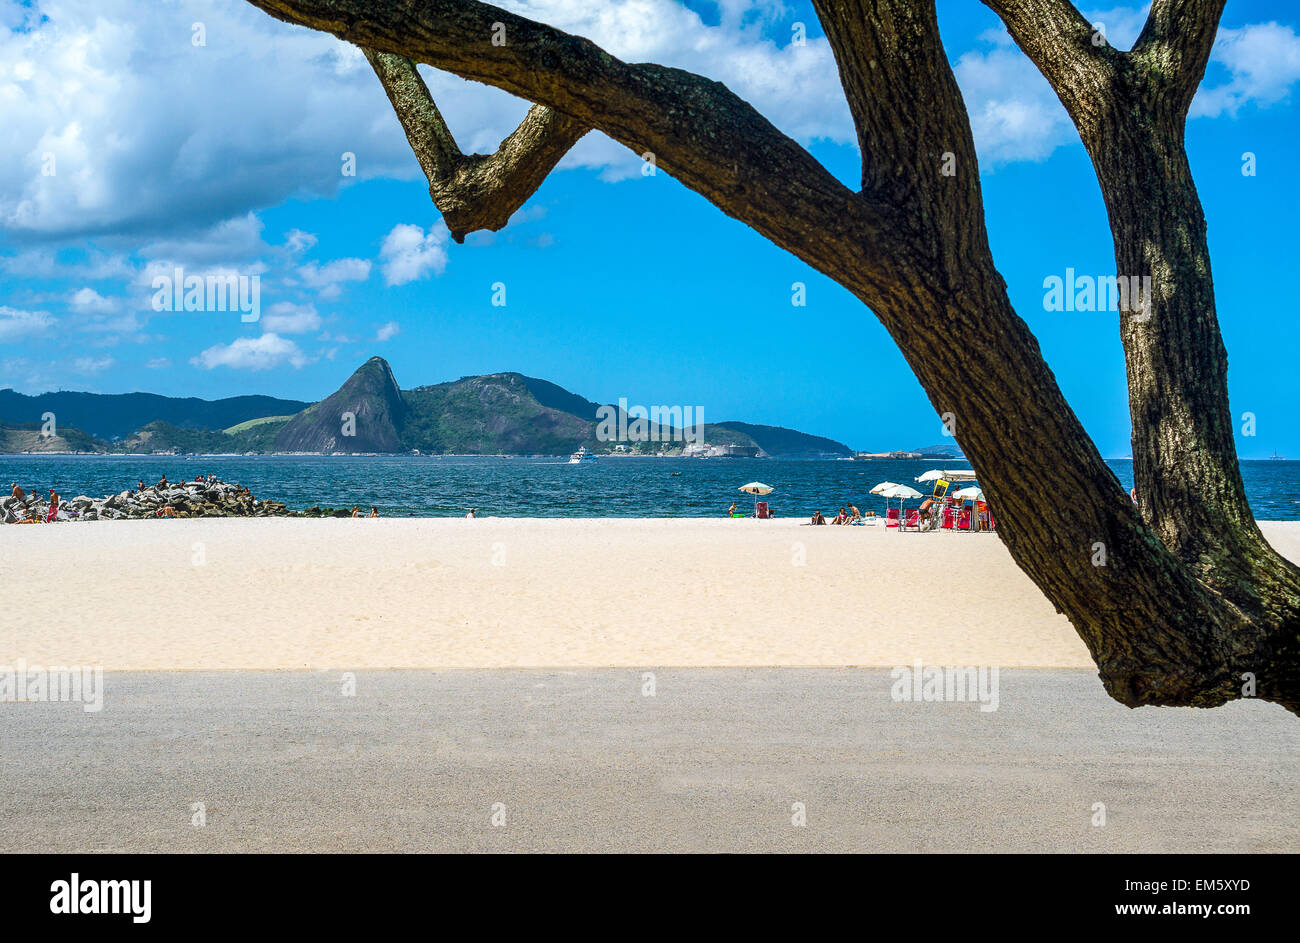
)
(434, 486)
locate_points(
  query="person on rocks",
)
(54, 507)
(162, 482)
(15, 490)
(139, 485)
(373, 512)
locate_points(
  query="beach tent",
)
(756, 488)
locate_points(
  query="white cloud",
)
(388, 331)
(91, 365)
(285, 317)
(1014, 114)
(16, 324)
(328, 279)
(252, 353)
(1263, 62)
(89, 301)
(159, 363)
(153, 136)
(410, 253)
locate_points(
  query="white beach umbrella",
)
(901, 492)
(972, 493)
(933, 474)
(756, 488)
(883, 487)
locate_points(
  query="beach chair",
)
(963, 519)
(891, 517)
(761, 511)
(948, 520)
(912, 522)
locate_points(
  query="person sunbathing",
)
(854, 515)
(17, 492)
(167, 511)
(818, 517)
(842, 517)
(373, 512)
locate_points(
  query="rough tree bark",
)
(912, 246)
(1130, 109)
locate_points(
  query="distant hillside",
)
(27, 438)
(115, 415)
(496, 414)
(779, 442)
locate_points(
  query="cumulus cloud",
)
(388, 331)
(409, 253)
(92, 365)
(285, 317)
(1014, 114)
(1263, 62)
(154, 136)
(252, 353)
(328, 279)
(16, 324)
(89, 301)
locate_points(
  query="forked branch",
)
(473, 191)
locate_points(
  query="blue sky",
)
(211, 137)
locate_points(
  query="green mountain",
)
(496, 414)
(113, 416)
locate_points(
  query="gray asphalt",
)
(582, 761)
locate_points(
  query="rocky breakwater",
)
(187, 499)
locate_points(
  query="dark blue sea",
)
(430, 486)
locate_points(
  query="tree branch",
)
(475, 191)
(696, 129)
(1175, 45)
(1065, 48)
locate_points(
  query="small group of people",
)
(20, 515)
(847, 515)
(356, 512)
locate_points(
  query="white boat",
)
(582, 456)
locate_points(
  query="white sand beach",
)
(492, 593)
